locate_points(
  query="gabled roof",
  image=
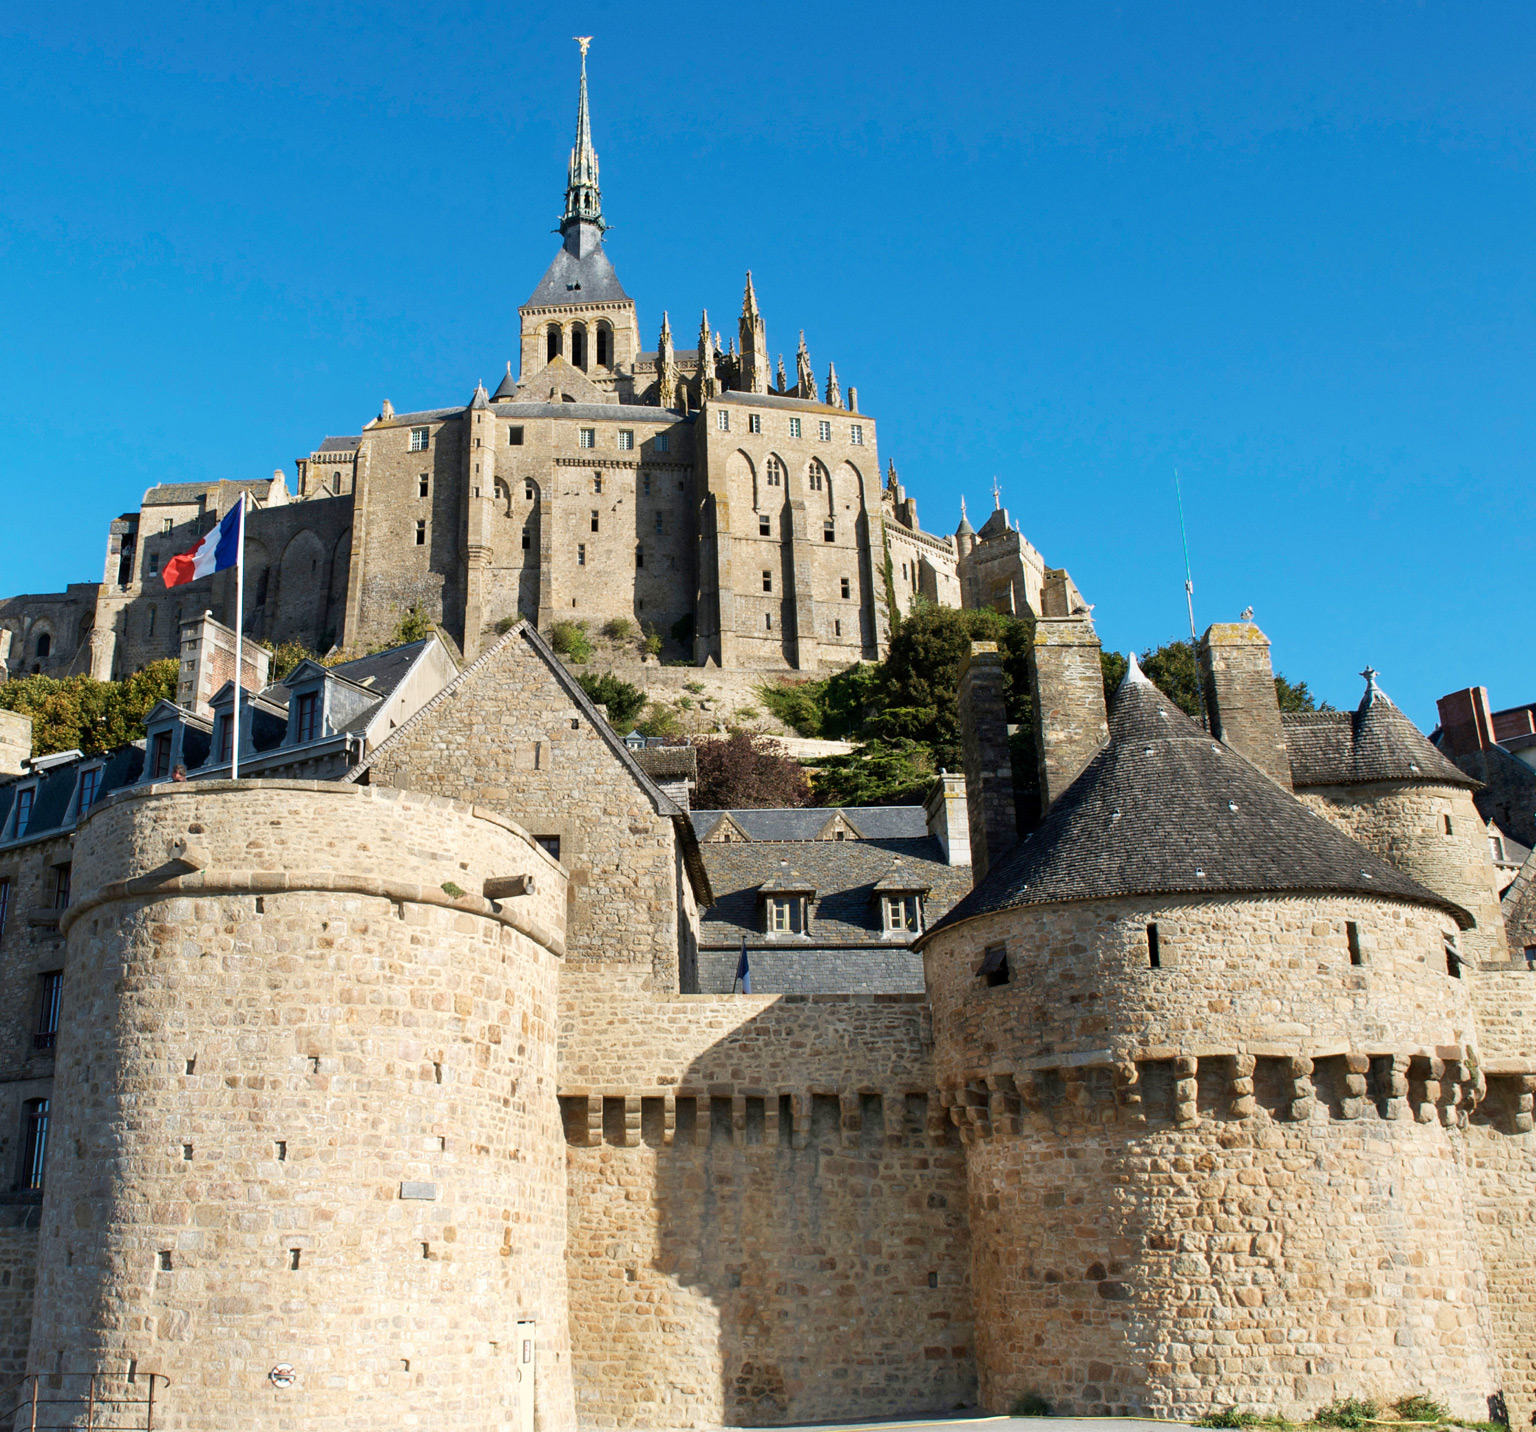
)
(525, 632)
(339, 445)
(808, 822)
(1165, 809)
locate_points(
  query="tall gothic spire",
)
(583, 201)
(754, 343)
(807, 379)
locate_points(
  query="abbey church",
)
(690, 489)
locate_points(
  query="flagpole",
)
(234, 740)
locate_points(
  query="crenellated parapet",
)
(1160, 1086)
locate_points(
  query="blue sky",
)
(1285, 249)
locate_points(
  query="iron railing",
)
(83, 1402)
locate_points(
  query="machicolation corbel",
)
(507, 887)
(189, 856)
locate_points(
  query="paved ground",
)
(983, 1423)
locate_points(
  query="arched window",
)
(44, 646)
(552, 344)
(604, 346)
(816, 476)
(775, 470)
(579, 344)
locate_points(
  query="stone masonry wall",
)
(1162, 1158)
(766, 1211)
(305, 1110)
(509, 737)
(1406, 825)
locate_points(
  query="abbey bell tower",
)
(579, 317)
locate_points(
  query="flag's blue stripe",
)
(228, 550)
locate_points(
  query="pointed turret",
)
(506, 388)
(482, 399)
(708, 345)
(965, 534)
(783, 378)
(807, 385)
(754, 343)
(666, 365)
(892, 482)
(834, 392)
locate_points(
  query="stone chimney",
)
(990, 814)
(208, 661)
(15, 742)
(1466, 724)
(948, 821)
(1240, 696)
(1068, 686)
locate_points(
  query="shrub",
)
(1421, 1408)
(1229, 1417)
(415, 625)
(505, 625)
(622, 699)
(454, 892)
(747, 772)
(1348, 1412)
(660, 720)
(619, 629)
(570, 639)
(1031, 1404)
(652, 643)
(697, 688)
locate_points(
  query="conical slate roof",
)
(1166, 809)
(1375, 742)
(507, 387)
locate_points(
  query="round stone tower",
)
(1374, 774)
(1207, 1059)
(306, 1159)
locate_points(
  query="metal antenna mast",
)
(1189, 599)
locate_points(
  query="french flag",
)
(218, 550)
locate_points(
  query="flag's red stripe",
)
(179, 568)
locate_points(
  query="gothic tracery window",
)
(775, 472)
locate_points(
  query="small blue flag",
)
(743, 969)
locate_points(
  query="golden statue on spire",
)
(583, 41)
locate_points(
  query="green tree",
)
(414, 625)
(77, 712)
(287, 655)
(621, 698)
(876, 772)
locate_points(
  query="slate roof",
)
(173, 494)
(387, 668)
(56, 788)
(668, 763)
(507, 387)
(593, 272)
(339, 445)
(845, 874)
(1375, 742)
(1164, 809)
(806, 822)
(587, 412)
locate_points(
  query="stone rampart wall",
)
(18, 1281)
(306, 1121)
(766, 1210)
(1500, 1160)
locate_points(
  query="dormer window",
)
(90, 786)
(160, 756)
(781, 915)
(786, 904)
(226, 745)
(306, 716)
(903, 913)
(24, 799)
